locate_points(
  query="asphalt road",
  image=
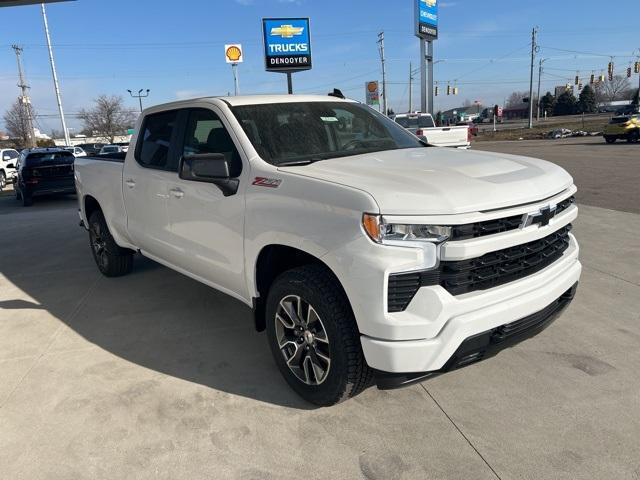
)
(154, 375)
(607, 176)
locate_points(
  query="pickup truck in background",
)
(366, 256)
(423, 126)
(8, 172)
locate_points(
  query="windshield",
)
(423, 121)
(285, 133)
(9, 154)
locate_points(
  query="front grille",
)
(490, 227)
(488, 271)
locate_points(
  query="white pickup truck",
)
(8, 172)
(423, 126)
(367, 256)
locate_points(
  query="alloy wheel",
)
(302, 340)
(99, 245)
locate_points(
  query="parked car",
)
(44, 171)
(110, 149)
(77, 151)
(365, 255)
(626, 127)
(8, 158)
(92, 148)
(423, 126)
(123, 145)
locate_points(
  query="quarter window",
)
(154, 144)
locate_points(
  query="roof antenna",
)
(337, 93)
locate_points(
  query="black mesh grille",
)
(490, 227)
(490, 270)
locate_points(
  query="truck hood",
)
(441, 181)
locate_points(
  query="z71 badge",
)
(267, 182)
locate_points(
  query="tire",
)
(609, 139)
(26, 201)
(112, 260)
(3, 181)
(331, 333)
(17, 190)
(634, 136)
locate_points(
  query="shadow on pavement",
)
(154, 317)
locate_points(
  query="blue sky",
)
(176, 48)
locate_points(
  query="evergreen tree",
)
(636, 99)
(565, 105)
(587, 100)
(547, 103)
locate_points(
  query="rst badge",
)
(267, 182)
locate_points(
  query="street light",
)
(140, 95)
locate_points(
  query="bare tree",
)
(108, 118)
(610, 91)
(516, 100)
(16, 121)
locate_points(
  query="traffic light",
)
(577, 80)
(448, 89)
(496, 110)
(580, 86)
(455, 90)
(436, 91)
(636, 67)
(610, 70)
(601, 78)
(592, 80)
(629, 72)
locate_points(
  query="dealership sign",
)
(233, 53)
(427, 19)
(287, 44)
(372, 92)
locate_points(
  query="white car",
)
(423, 126)
(77, 151)
(110, 149)
(8, 172)
(365, 255)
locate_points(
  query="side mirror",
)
(209, 168)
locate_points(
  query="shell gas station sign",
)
(233, 53)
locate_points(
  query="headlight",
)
(391, 233)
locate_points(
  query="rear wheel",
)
(3, 181)
(112, 260)
(17, 191)
(609, 139)
(27, 200)
(634, 136)
(314, 338)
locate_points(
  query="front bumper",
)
(485, 344)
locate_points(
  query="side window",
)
(205, 133)
(154, 143)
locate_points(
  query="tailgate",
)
(447, 136)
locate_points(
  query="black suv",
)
(44, 171)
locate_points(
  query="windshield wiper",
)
(295, 163)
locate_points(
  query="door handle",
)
(176, 192)
(130, 183)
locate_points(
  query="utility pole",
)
(533, 59)
(236, 81)
(385, 105)
(140, 96)
(24, 100)
(67, 140)
(542, 60)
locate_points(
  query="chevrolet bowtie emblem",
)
(286, 31)
(430, 3)
(541, 218)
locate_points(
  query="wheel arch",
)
(273, 260)
(90, 205)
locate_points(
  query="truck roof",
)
(256, 100)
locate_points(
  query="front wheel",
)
(634, 136)
(112, 260)
(313, 336)
(609, 139)
(3, 181)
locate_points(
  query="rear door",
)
(207, 228)
(145, 183)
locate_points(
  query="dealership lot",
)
(155, 375)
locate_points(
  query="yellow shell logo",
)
(372, 87)
(234, 53)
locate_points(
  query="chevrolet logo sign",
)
(541, 218)
(430, 3)
(286, 31)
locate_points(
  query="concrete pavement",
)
(156, 376)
